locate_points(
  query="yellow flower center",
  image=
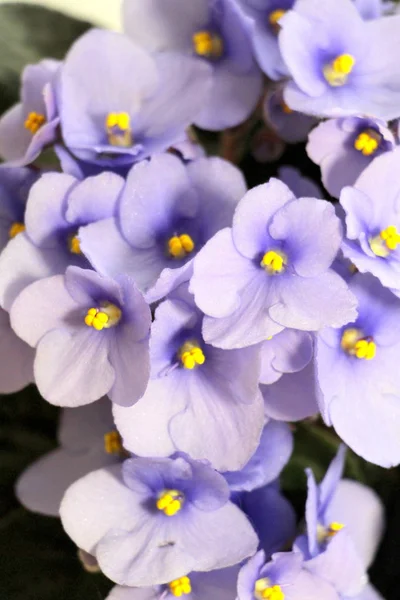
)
(74, 245)
(354, 343)
(170, 502)
(274, 262)
(385, 242)
(208, 44)
(367, 142)
(113, 443)
(337, 72)
(179, 246)
(325, 534)
(180, 587)
(34, 122)
(285, 108)
(274, 17)
(15, 229)
(191, 355)
(118, 127)
(105, 317)
(263, 590)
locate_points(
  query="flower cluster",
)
(182, 320)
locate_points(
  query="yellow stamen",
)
(180, 246)
(34, 122)
(15, 229)
(118, 127)
(367, 142)
(337, 72)
(263, 590)
(208, 44)
(170, 502)
(354, 343)
(274, 17)
(385, 242)
(180, 587)
(334, 527)
(103, 318)
(274, 262)
(75, 245)
(113, 443)
(191, 355)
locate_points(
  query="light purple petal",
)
(72, 370)
(22, 263)
(41, 307)
(293, 397)
(95, 504)
(16, 359)
(94, 199)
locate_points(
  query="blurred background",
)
(101, 12)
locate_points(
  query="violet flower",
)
(345, 522)
(293, 397)
(273, 270)
(373, 221)
(152, 521)
(193, 586)
(265, 27)
(15, 185)
(358, 376)
(26, 128)
(88, 441)
(344, 147)
(283, 578)
(90, 334)
(267, 462)
(58, 205)
(213, 31)
(327, 49)
(16, 364)
(192, 402)
(167, 212)
(143, 107)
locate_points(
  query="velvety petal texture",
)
(114, 514)
(273, 270)
(76, 363)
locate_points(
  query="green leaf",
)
(27, 35)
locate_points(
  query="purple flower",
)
(344, 526)
(57, 206)
(16, 364)
(283, 578)
(267, 462)
(90, 335)
(192, 402)
(265, 28)
(15, 184)
(167, 212)
(291, 126)
(293, 397)
(272, 270)
(358, 374)
(199, 586)
(287, 352)
(271, 515)
(142, 105)
(214, 31)
(88, 441)
(343, 148)
(373, 221)
(31, 125)
(327, 49)
(155, 520)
